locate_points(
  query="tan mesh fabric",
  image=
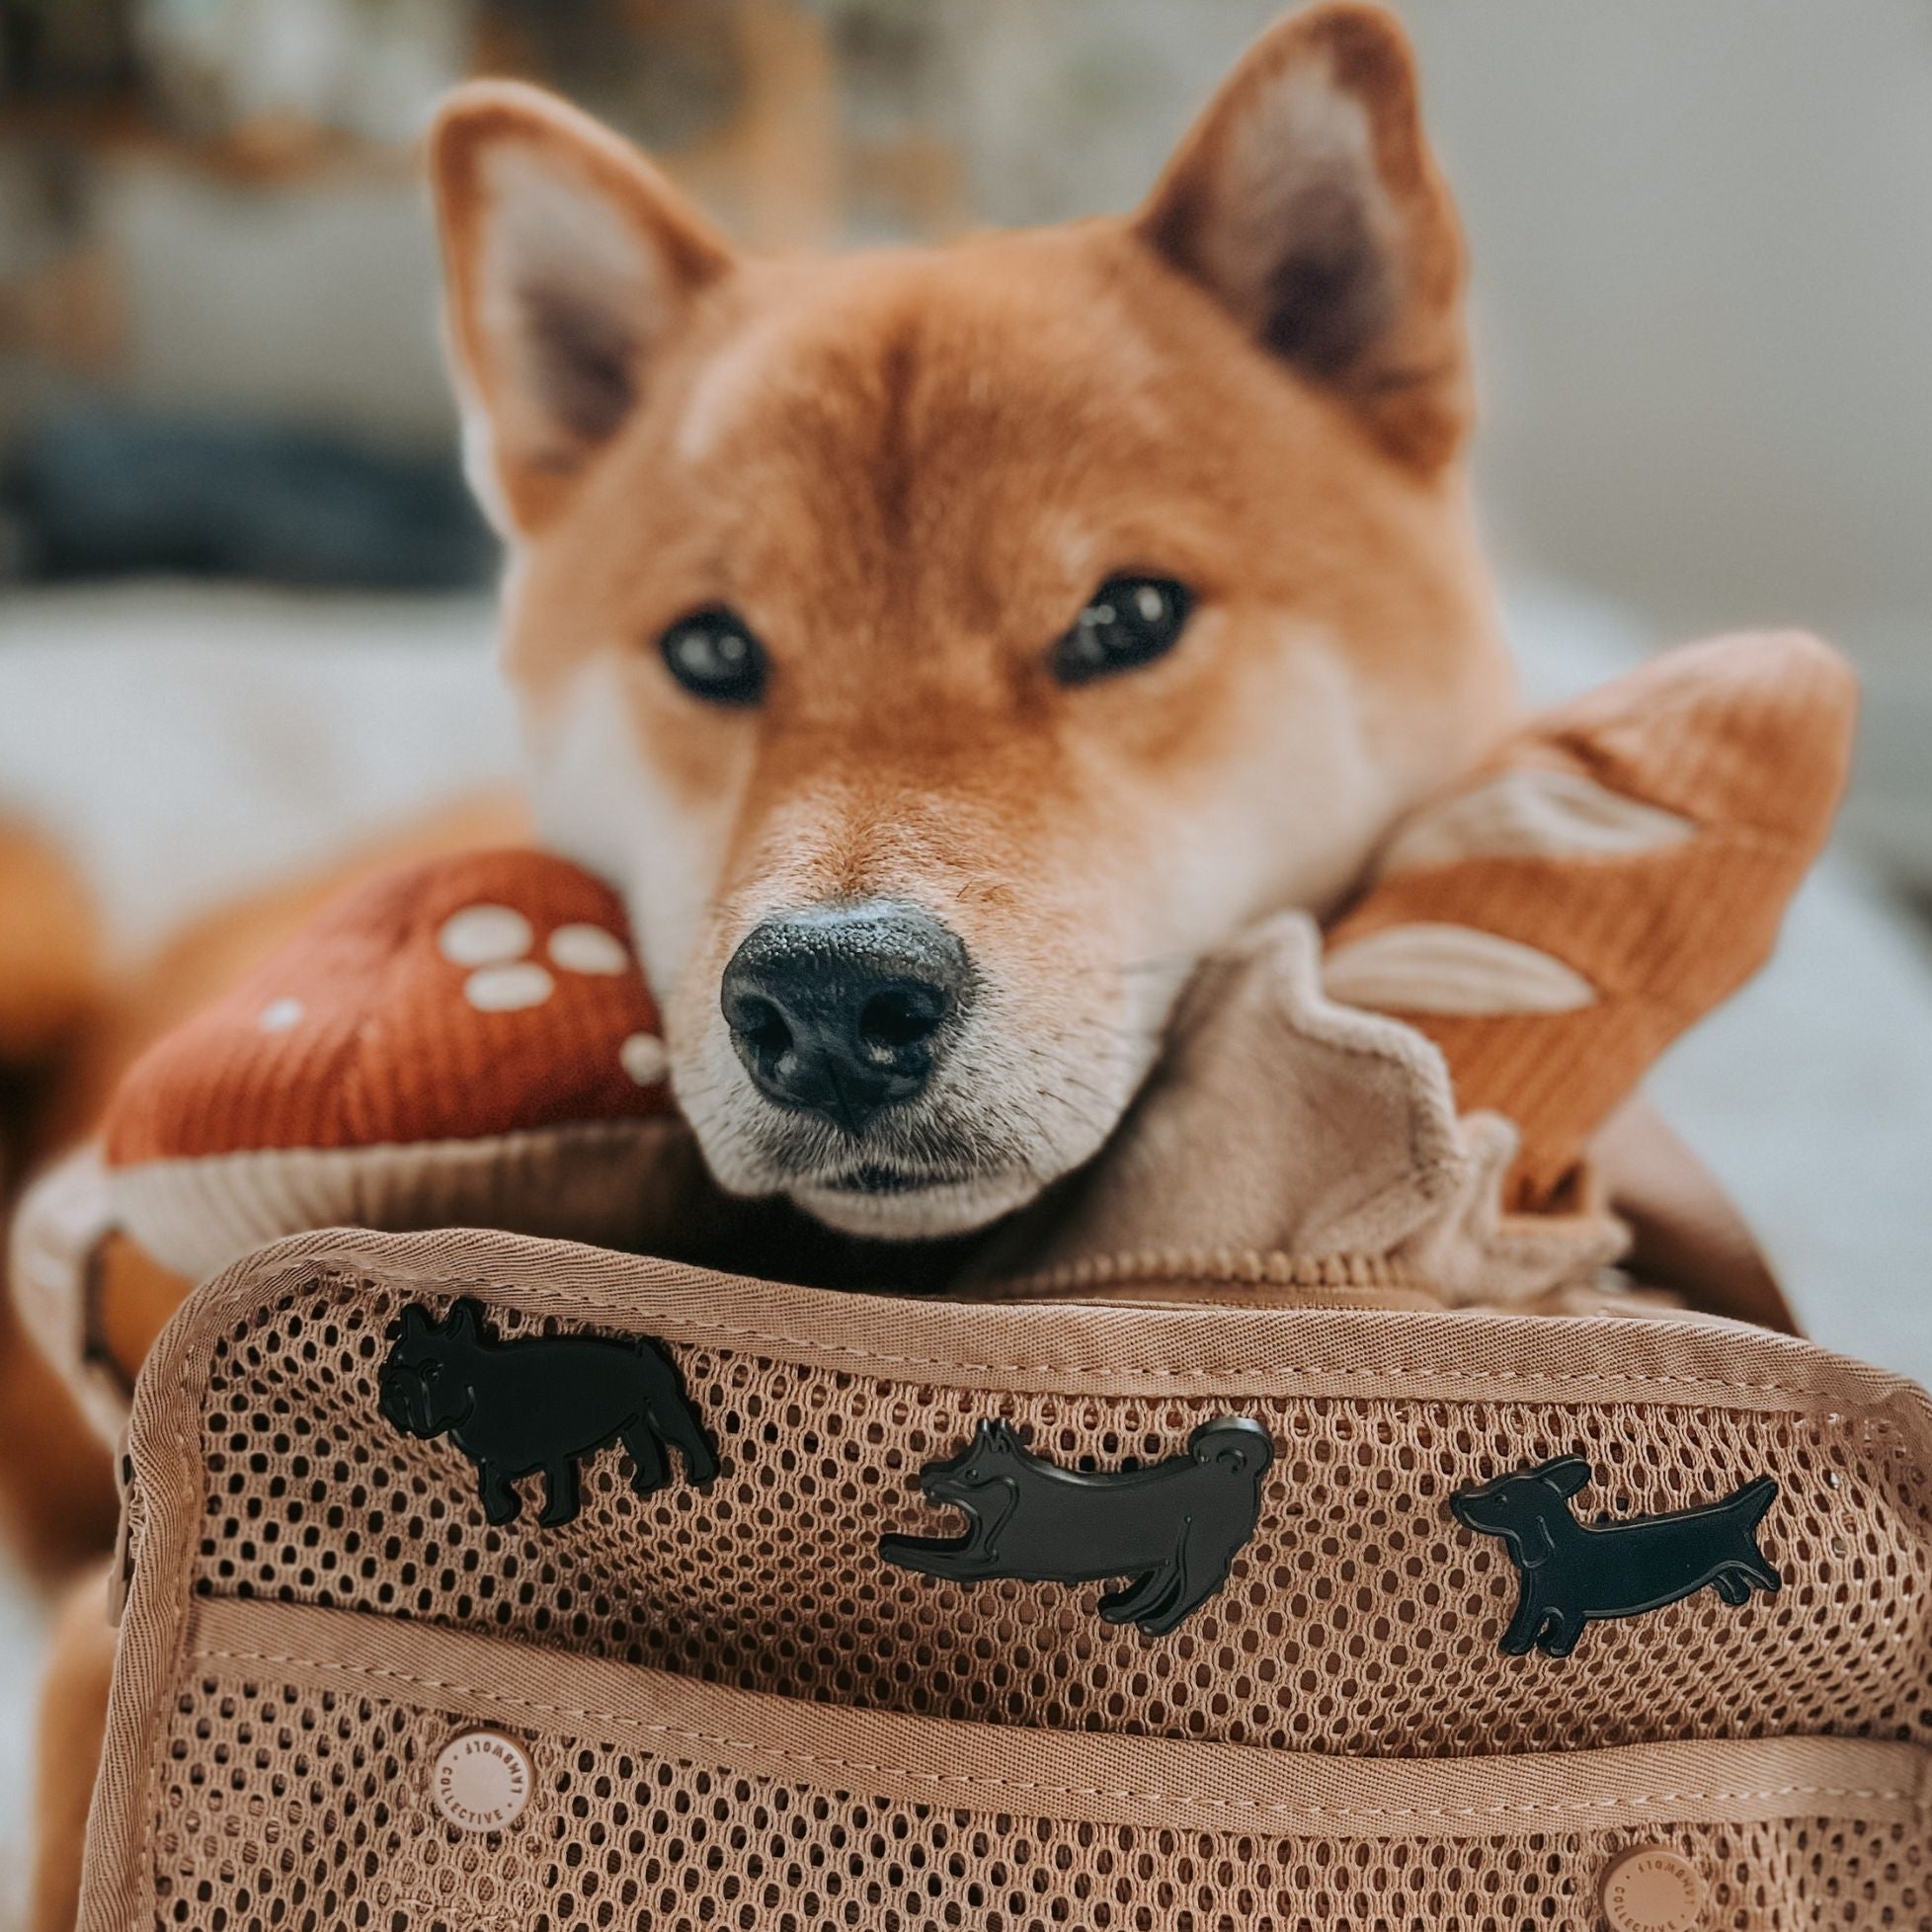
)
(1395, 1609)
(666, 1803)
(1360, 1622)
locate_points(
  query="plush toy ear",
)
(1567, 1474)
(1306, 202)
(568, 260)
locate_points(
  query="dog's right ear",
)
(1567, 1474)
(567, 259)
(1305, 200)
(464, 1322)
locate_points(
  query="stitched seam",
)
(352, 1151)
(186, 1417)
(336, 1267)
(1032, 1789)
(1244, 1267)
(712, 1331)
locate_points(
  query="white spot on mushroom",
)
(644, 1059)
(585, 948)
(279, 1016)
(1533, 814)
(484, 936)
(1434, 967)
(509, 989)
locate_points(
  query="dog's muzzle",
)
(843, 1011)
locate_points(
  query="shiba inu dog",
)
(946, 648)
(1172, 1528)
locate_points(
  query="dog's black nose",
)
(842, 1010)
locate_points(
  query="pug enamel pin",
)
(541, 1403)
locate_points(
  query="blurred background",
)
(244, 599)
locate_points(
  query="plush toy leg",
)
(73, 1722)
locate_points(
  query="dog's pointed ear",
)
(568, 260)
(412, 1325)
(464, 1322)
(1566, 1475)
(1306, 202)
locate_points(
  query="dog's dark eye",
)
(715, 657)
(1128, 621)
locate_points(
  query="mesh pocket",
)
(1360, 1618)
(737, 1715)
(294, 1790)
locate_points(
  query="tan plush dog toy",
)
(1421, 1098)
(470, 1041)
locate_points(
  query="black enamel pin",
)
(1174, 1527)
(1572, 1574)
(543, 1403)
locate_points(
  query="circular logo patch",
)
(1652, 1889)
(481, 1781)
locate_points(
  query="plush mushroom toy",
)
(1616, 871)
(469, 1041)
(1526, 948)
(464, 1041)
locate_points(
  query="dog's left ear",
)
(411, 1325)
(569, 260)
(1306, 202)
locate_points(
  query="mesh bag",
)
(730, 1710)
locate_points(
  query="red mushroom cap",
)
(482, 994)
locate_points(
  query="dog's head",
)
(946, 648)
(1524, 1509)
(995, 1454)
(426, 1382)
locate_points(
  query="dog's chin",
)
(988, 1142)
(883, 1204)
